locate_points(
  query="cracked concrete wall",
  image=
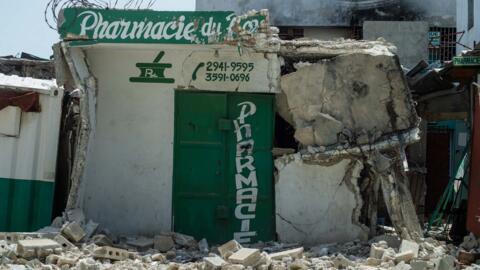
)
(318, 203)
(353, 98)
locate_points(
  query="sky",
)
(24, 28)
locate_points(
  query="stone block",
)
(214, 263)
(229, 248)
(407, 245)
(402, 266)
(245, 256)
(36, 247)
(64, 242)
(294, 253)
(111, 253)
(73, 231)
(406, 256)
(163, 243)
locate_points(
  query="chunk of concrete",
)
(37, 247)
(163, 243)
(407, 245)
(245, 256)
(110, 253)
(294, 253)
(229, 248)
(73, 231)
(405, 256)
(214, 263)
(376, 251)
(233, 267)
(141, 243)
(356, 91)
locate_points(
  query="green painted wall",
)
(25, 205)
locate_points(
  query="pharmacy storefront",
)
(178, 114)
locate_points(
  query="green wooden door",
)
(223, 168)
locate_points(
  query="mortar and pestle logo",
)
(153, 72)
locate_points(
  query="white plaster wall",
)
(472, 34)
(127, 184)
(315, 205)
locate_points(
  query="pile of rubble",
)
(72, 243)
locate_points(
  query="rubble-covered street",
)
(232, 135)
(75, 243)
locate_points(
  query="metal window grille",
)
(356, 32)
(442, 44)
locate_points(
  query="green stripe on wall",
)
(25, 205)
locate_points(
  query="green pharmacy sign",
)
(153, 72)
(467, 61)
(148, 26)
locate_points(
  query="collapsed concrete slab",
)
(318, 203)
(353, 98)
(353, 115)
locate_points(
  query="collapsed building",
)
(181, 126)
(199, 128)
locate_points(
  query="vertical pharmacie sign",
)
(246, 174)
(148, 26)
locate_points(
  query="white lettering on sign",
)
(246, 176)
(176, 29)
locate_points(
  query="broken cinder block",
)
(229, 248)
(141, 243)
(245, 256)
(185, 240)
(37, 247)
(110, 253)
(294, 253)
(73, 231)
(64, 242)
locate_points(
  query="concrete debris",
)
(337, 95)
(294, 253)
(245, 257)
(110, 253)
(227, 249)
(73, 231)
(41, 253)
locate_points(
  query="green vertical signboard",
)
(223, 166)
(148, 26)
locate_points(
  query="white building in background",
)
(468, 22)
